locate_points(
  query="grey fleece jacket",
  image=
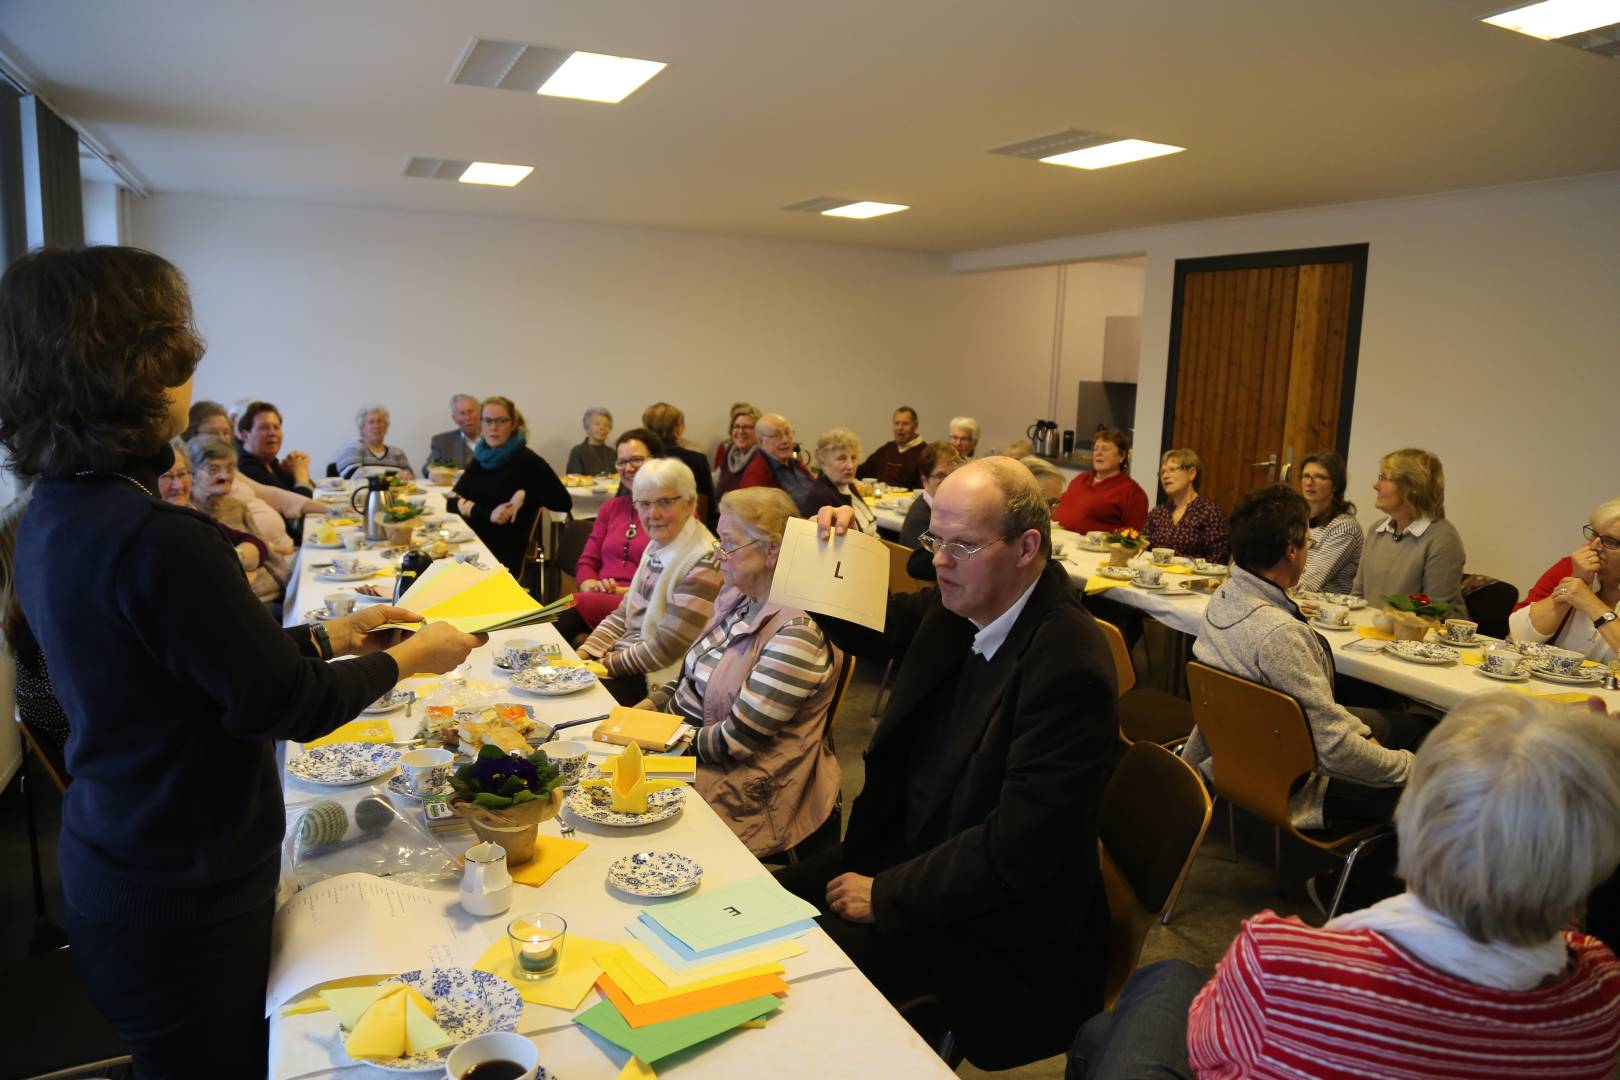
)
(1251, 629)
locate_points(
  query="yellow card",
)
(1098, 583)
(1566, 697)
(563, 989)
(643, 987)
(371, 731)
(1176, 568)
(636, 1069)
(735, 967)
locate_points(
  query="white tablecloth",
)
(833, 1020)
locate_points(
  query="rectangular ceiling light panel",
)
(489, 172)
(1118, 152)
(1553, 19)
(863, 210)
(597, 77)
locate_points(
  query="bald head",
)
(994, 508)
(775, 435)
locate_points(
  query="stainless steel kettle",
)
(1044, 437)
(377, 501)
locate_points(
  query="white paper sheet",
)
(357, 924)
(846, 576)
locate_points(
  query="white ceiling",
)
(1282, 103)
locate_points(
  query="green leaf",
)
(494, 802)
(512, 785)
(489, 750)
(524, 796)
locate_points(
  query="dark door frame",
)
(1354, 254)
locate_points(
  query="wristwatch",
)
(1604, 619)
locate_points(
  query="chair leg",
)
(1276, 854)
(1231, 828)
(883, 684)
(1349, 863)
(33, 837)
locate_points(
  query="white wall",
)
(103, 212)
(1491, 336)
(323, 308)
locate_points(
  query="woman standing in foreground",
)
(171, 830)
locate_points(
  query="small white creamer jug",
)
(486, 886)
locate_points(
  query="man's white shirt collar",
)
(989, 638)
(1417, 528)
(914, 442)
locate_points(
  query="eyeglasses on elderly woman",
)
(1610, 543)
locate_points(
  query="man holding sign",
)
(969, 869)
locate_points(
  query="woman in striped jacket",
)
(1510, 819)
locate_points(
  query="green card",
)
(716, 917)
(661, 1040)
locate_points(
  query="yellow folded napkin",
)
(386, 1022)
(1375, 634)
(1176, 568)
(1564, 697)
(593, 666)
(372, 731)
(661, 765)
(338, 523)
(327, 534)
(551, 854)
(1470, 658)
(628, 785)
(565, 987)
(1097, 583)
(315, 1003)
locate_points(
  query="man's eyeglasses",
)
(723, 553)
(637, 461)
(1610, 543)
(644, 506)
(955, 550)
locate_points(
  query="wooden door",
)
(1262, 364)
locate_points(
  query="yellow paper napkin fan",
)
(386, 1022)
(628, 785)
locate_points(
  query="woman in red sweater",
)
(1105, 497)
(1510, 818)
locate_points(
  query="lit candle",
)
(538, 956)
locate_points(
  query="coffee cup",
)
(339, 605)
(348, 564)
(1501, 662)
(1560, 661)
(569, 757)
(1334, 614)
(331, 483)
(354, 540)
(1163, 555)
(426, 769)
(1096, 539)
(516, 1051)
(1461, 631)
(1149, 575)
(519, 653)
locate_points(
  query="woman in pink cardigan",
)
(617, 540)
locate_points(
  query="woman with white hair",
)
(838, 452)
(671, 596)
(759, 685)
(371, 452)
(593, 456)
(1575, 603)
(1510, 819)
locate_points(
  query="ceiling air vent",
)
(432, 168)
(508, 65)
(1045, 146)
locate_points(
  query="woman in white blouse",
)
(1574, 604)
(1334, 553)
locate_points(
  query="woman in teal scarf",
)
(506, 484)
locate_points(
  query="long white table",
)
(831, 1003)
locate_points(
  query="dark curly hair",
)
(90, 341)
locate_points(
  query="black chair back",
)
(1490, 602)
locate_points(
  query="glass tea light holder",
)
(537, 944)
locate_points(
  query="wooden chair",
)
(1154, 815)
(845, 675)
(1261, 743)
(1145, 714)
(900, 581)
(569, 549)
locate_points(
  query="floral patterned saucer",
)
(655, 873)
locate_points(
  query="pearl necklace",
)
(121, 476)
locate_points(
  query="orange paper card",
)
(674, 1008)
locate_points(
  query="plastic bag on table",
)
(360, 831)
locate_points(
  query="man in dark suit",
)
(456, 445)
(969, 869)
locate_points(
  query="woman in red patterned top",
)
(1186, 521)
(1104, 497)
(1510, 818)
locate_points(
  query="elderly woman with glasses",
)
(1576, 604)
(593, 456)
(739, 462)
(838, 452)
(1509, 820)
(939, 460)
(1186, 521)
(759, 686)
(671, 596)
(174, 488)
(370, 452)
(506, 484)
(613, 550)
(1414, 549)
(213, 469)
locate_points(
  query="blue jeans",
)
(1145, 1037)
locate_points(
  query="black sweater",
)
(176, 681)
(488, 488)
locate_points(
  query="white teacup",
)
(426, 768)
(490, 1047)
(339, 605)
(1335, 614)
(331, 483)
(568, 757)
(348, 564)
(1149, 575)
(1163, 555)
(1461, 630)
(519, 653)
(1501, 661)
(354, 540)
(1096, 539)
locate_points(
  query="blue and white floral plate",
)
(331, 573)
(660, 805)
(655, 873)
(553, 681)
(1422, 652)
(399, 785)
(466, 1002)
(1118, 573)
(394, 699)
(343, 763)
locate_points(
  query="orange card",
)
(674, 1008)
